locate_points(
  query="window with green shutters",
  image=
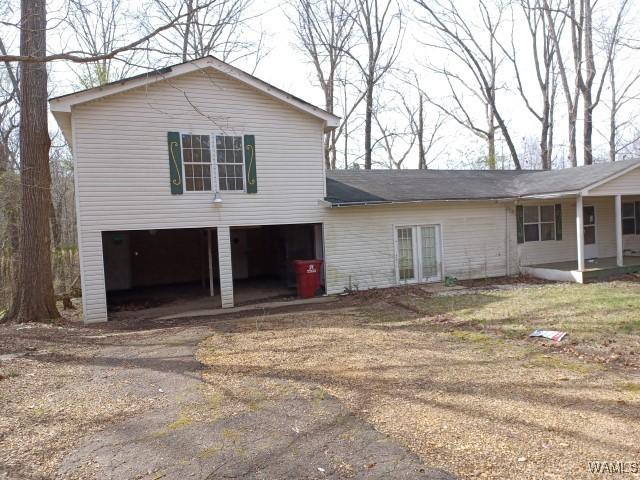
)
(205, 163)
(539, 223)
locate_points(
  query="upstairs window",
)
(230, 163)
(196, 156)
(227, 164)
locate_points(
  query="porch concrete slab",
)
(595, 269)
(594, 264)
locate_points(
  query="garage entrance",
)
(166, 272)
(150, 268)
(262, 258)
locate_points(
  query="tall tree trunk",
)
(587, 133)
(187, 31)
(544, 134)
(613, 131)
(491, 148)
(422, 161)
(33, 299)
(573, 151)
(367, 124)
(587, 93)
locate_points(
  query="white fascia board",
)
(544, 196)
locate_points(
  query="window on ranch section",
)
(230, 162)
(196, 156)
(628, 219)
(539, 223)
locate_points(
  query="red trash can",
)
(307, 277)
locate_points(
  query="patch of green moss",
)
(182, 421)
(548, 361)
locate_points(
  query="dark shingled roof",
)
(345, 187)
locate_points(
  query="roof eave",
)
(333, 204)
(66, 102)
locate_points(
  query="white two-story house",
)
(200, 176)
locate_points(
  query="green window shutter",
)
(250, 163)
(558, 221)
(520, 223)
(637, 204)
(175, 163)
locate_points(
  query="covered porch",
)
(600, 238)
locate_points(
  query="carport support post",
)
(619, 250)
(226, 268)
(580, 232)
(212, 291)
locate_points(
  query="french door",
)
(418, 254)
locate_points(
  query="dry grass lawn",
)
(455, 378)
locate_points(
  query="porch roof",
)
(362, 187)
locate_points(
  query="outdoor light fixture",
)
(217, 199)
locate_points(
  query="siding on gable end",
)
(360, 250)
(627, 184)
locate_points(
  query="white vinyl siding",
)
(360, 242)
(122, 165)
(626, 184)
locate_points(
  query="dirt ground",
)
(409, 379)
(126, 400)
(455, 378)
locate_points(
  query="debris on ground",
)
(554, 335)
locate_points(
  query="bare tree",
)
(324, 29)
(379, 23)
(217, 28)
(622, 90)
(98, 27)
(579, 15)
(427, 134)
(475, 52)
(543, 54)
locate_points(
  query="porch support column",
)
(619, 250)
(580, 232)
(226, 268)
(212, 291)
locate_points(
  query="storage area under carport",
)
(170, 271)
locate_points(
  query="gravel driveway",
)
(171, 425)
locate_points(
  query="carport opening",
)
(166, 272)
(153, 268)
(262, 258)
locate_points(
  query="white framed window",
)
(212, 160)
(196, 160)
(629, 226)
(539, 223)
(418, 253)
(230, 163)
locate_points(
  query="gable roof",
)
(363, 187)
(61, 106)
